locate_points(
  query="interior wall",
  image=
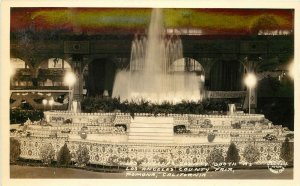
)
(226, 76)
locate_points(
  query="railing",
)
(226, 94)
(37, 88)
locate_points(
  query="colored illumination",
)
(92, 20)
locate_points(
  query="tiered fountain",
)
(150, 76)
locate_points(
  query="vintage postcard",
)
(107, 93)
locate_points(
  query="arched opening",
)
(188, 65)
(100, 77)
(20, 72)
(18, 63)
(51, 72)
(226, 75)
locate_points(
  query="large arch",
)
(17, 63)
(20, 72)
(51, 71)
(186, 64)
(190, 65)
(21, 57)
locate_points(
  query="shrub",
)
(232, 154)
(47, 153)
(21, 116)
(287, 151)
(215, 156)
(95, 104)
(82, 156)
(251, 153)
(64, 156)
(215, 105)
(211, 137)
(15, 149)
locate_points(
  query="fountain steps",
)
(151, 130)
(151, 134)
(151, 137)
(151, 141)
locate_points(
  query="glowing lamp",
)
(51, 102)
(250, 80)
(70, 79)
(12, 70)
(45, 102)
(202, 78)
(292, 70)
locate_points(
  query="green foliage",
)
(47, 153)
(15, 149)
(64, 156)
(21, 116)
(99, 104)
(272, 87)
(215, 105)
(232, 154)
(82, 156)
(287, 151)
(215, 156)
(251, 153)
(279, 110)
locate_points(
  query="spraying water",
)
(151, 76)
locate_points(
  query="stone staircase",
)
(151, 130)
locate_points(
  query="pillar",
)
(77, 67)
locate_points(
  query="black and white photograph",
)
(150, 93)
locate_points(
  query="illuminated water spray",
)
(151, 76)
